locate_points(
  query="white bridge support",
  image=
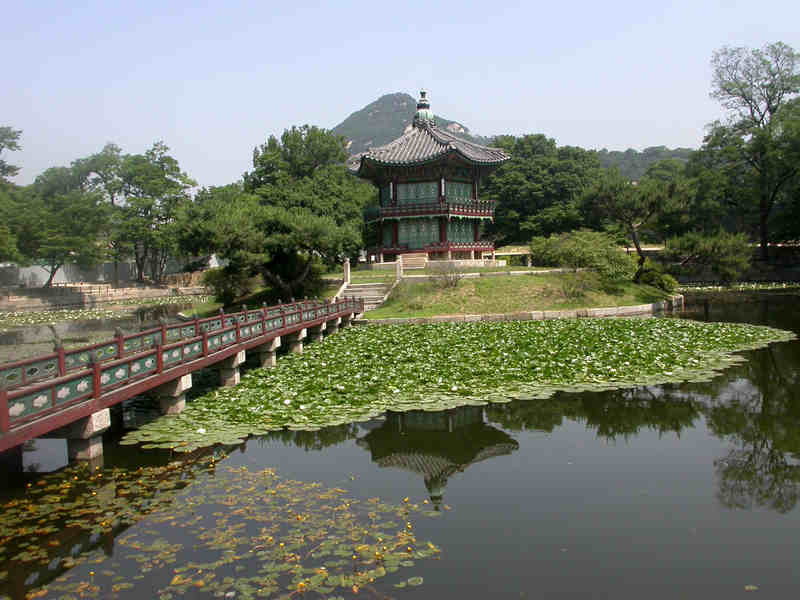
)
(172, 395)
(229, 369)
(295, 341)
(85, 436)
(267, 353)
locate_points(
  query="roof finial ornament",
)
(424, 113)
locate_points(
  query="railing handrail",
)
(227, 322)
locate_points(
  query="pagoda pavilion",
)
(428, 181)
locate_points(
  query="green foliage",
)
(631, 207)
(583, 250)
(537, 191)
(362, 372)
(156, 192)
(9, 140)
(633, 164)
(756, 153)
(58, 222)
(663, 281)
(727, 255)
(296, 213)
(227, 285)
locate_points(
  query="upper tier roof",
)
(426, 143)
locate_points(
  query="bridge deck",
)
(44, 393)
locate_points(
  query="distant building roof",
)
(424, 143)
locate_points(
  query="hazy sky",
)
(214, 79)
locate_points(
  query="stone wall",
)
(83, 296)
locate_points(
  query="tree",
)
(759, 143)
(539, 189)
(155, 189)
(62, 223)
(632, 206)
(102, 172)
(727, 255)
(297, 207)
(9, 140)
(583, 250)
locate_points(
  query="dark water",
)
(679, 491)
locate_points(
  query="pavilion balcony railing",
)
(461, 207)
(445, 246)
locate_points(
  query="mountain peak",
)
(386, 119)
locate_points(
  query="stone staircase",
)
(417, 260)
(372, 293)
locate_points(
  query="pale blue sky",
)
(215, 79)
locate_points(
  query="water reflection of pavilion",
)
(436, 444)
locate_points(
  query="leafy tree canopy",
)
(537, 191)
(298, 206)
(9, 140)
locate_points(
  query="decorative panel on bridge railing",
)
(178, 354)
(211, 325)
(30, 372)
(81, 358)
(141, 342)
(29, 405)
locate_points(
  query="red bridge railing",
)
(35, 387)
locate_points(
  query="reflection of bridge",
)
(436, 444)
(67, 393)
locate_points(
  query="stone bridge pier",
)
(85, 436)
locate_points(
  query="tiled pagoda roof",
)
(425, 143)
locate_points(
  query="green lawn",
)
(509, 294)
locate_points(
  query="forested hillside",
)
(633, 164)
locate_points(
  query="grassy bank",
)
(511, 294)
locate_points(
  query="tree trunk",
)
(640, 262)
(53, 271)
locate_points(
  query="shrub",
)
(727, 255)
(584, 250)
(445, 274)
(227, 285)
(662, 281)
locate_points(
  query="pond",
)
(675, 490)
(19, 341)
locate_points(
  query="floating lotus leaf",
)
(362, 372)
(200, 527)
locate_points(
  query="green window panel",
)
(417, 193)
(387, 234)
(458, 190)
(385, 195)
(460, 230)
(418, 233)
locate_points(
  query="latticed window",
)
(417, 193)
(387, 234)
(460, 230)
(417, 233)
(458, 190)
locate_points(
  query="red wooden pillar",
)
(442, 229)
(395, 233)
(4, 416)
(475, 226)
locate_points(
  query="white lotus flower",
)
(41, 400)
(16, 409)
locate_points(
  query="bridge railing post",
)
(119, 337)
(163, 331)
(263, 318)
(159, 359)
(4, 416)
(237, 324)
(205, 343)
(97, 384)
(62, 360)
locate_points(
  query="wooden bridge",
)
(67, 393)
